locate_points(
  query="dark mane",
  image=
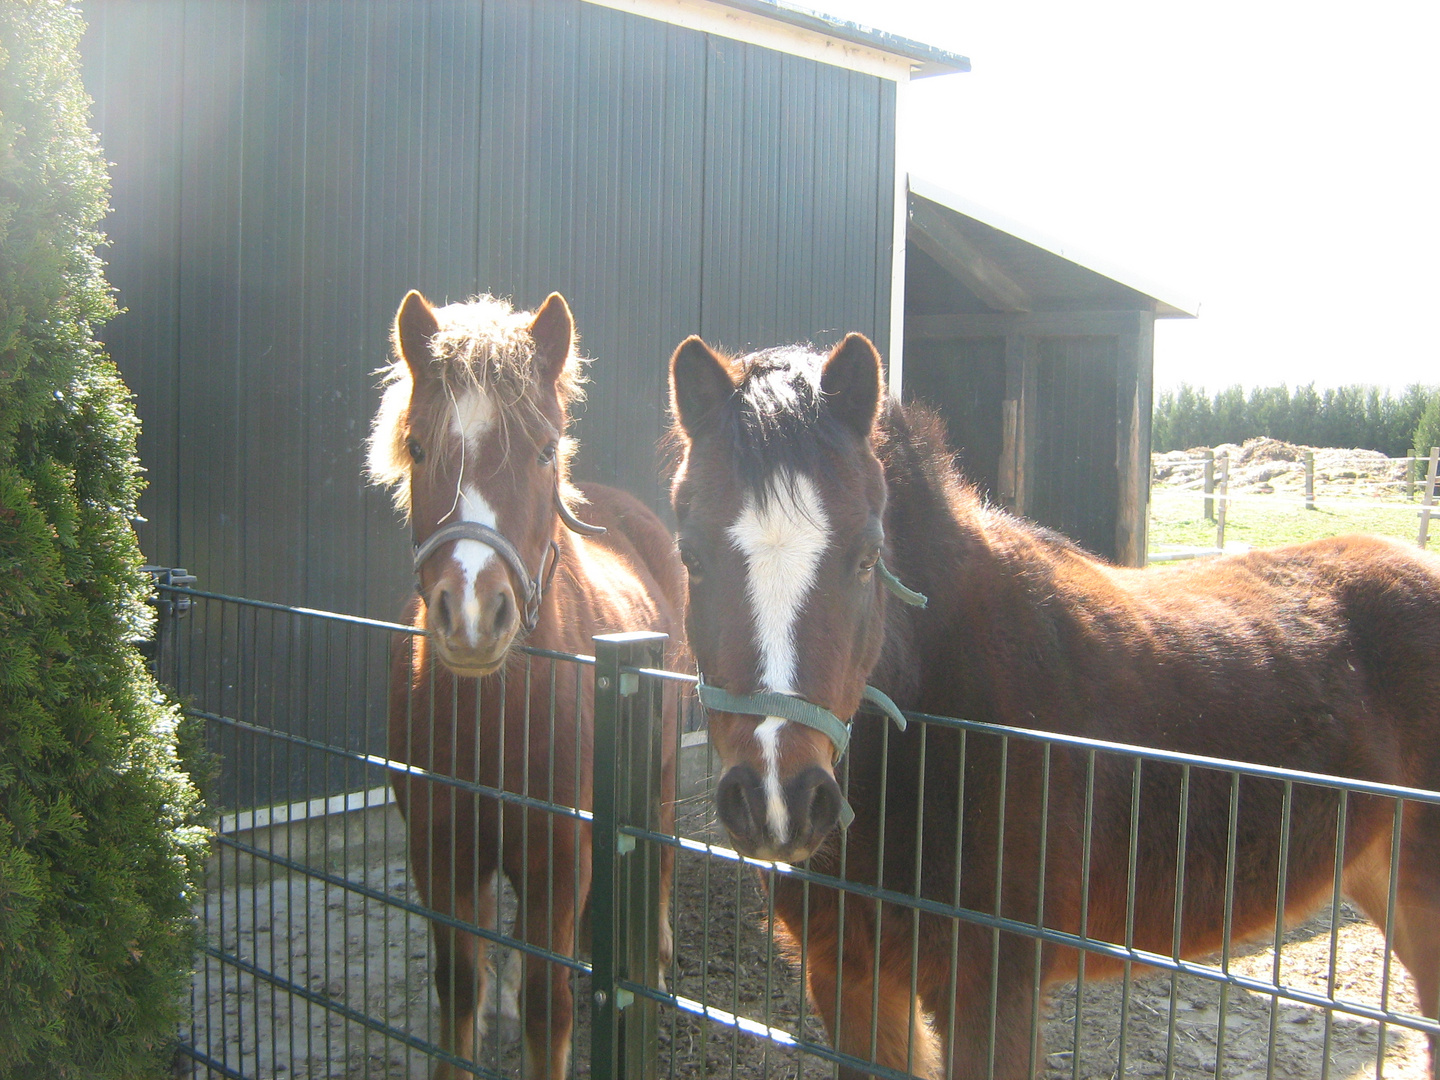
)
(914, 447)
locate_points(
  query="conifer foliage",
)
(1363, 417)
(99, 847)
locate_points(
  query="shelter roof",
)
(1013, 267)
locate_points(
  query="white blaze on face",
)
(473, 416)
(783, 542)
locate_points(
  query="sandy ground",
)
(1265, 466)
(354, 957)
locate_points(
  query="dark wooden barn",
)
(284, 172)
(1040, 362)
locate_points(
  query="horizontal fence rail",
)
(326, 907)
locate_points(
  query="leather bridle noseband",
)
(534, 588)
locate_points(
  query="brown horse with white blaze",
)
(470, 434)
(804, 494)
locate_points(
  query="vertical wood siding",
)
(963, 379)
(1073, 474)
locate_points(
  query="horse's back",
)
(1318, 656)
(1339, 635)
(637, 536)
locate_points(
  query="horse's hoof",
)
(507, 1015)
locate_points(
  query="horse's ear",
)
(554, 332)
(699, 383)
(415, 325)
(850, 383)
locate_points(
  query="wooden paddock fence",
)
(1421, 481)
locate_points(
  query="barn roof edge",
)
(1169, 304)
(925, 60)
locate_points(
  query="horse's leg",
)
(461, 973)
(550, 901)
(879, 1021)
(964, 1026)
(456, 879)
(667, 867)
(1415, 933)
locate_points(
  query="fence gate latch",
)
(168, 606)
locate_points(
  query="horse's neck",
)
(938, 534)
(552, 631)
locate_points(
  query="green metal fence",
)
(318, 945)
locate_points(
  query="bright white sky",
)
(1278, 162)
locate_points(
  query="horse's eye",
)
(417, 452)
(867, 563)
(691, 561)
(547, 455)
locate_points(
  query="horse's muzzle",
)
(472, 634)
(785, 825)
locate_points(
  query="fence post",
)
(1309, 479)
(169, 606)
(625, 886)
(1427, 503)
(1412, 470)
(1209, 456)
(1224, 501)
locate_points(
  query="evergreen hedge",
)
(1361, 417)
(1427, 431)
(100, 850)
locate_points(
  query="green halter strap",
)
(897, 589)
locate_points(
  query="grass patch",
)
(1177, 519)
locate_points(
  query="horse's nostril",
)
(816, 798)
(739, 802)
(502, 611)
(442, 612)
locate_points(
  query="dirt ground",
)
(1266, 466)
(364, 1005)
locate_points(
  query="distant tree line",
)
(1363, 417)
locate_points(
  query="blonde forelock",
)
(483, 345)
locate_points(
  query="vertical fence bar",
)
(1209, 456)
(1224, 501)
(1132, 864)
(1281, 891)
(625, 889)
(1412, 470)
(1182, 840)
(1309, 479)
(1427, 503)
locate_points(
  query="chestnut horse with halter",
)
(804, 496)
(470, 433)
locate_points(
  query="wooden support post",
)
(1224, 501)
(1309, 479)
(1209, 485)
(1009, 448)
(1427, 503)
(1412, 470)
